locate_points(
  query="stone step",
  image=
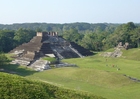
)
(21, 62)
(40, 65)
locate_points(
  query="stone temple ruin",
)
(46, 44)
(117, 50)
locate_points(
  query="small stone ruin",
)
(117, 52)
(46, 44)
(121, 46)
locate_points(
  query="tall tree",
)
(6, 40)
(23, 35)
(92, 41)
(135, 36)
(122, 34)
(72, 35)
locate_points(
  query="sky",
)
(69, 11)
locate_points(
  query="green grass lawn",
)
(97, 75)
(132, 54)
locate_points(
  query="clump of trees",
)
(9, 39)
(103, 39)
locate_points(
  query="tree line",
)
(9, 39)
(96, 37)
(109, 37)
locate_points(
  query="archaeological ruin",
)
(47, 44)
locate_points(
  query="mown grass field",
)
(106, 77)
(99, 75)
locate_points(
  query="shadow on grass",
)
(17, 69)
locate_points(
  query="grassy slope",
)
(98, 76)
(132, 54)
(16, 87)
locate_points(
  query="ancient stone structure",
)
(121, 46)
(117, 52)
(47, 44)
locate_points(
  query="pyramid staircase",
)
(80, 49)
(40, 65)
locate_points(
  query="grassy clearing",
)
(98, 79)
(107, 84)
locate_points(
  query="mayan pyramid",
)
(48, 44)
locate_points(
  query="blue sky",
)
(69, 11)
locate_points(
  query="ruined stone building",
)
(48, 44)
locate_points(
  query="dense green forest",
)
(96, 37)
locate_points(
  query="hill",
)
(132, 54)
(16, 87)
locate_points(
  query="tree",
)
(92, 41)
(6, 40)
(72, 35)
(122, 34)
(126, 31)
(23, 35)
(135, 36)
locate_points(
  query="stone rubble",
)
(116, 53)
(40, 65)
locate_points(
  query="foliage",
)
(3, 59)
(96, 37)
(72, 35)
(9, 39)
(92, 41)
(16, 87)
(135, 36)
(6, 40)
(23, 35)
(123, 33)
